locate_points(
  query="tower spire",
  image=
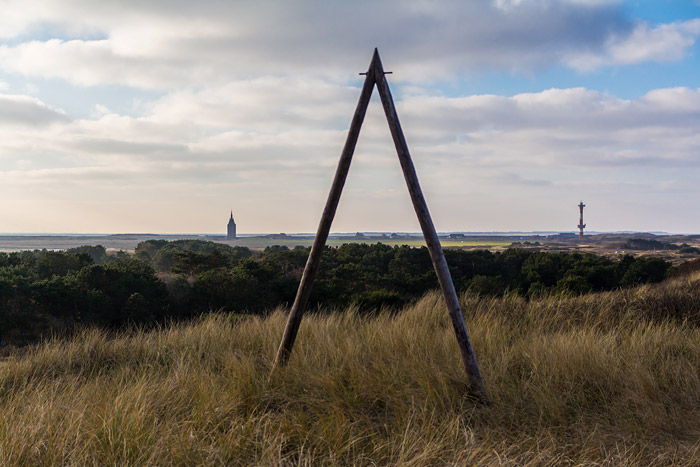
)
(231, 228)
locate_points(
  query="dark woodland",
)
(44, 293)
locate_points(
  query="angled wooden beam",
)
(311, 268)
(375, 75)
(431, 238)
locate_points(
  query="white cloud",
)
(252, 101)
(142, 44)
(25, 110)
(99, 110)
(502, 151)
(567, 127)
(664, 43)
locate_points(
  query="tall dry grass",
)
(601, 379)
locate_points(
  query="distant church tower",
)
(231, 229)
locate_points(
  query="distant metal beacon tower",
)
(581, 225)
(231, 229)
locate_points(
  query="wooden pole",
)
(375, 75)
(311, 268)
(431, 237)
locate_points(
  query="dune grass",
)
(600, 379)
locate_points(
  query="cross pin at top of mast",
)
(375, 61)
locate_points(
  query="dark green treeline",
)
(47, 292)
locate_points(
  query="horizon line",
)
(364, 232)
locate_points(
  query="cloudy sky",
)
(163, 115)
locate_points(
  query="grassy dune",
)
(611, 378)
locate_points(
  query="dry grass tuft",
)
(601, 379)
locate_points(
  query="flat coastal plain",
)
(128, 242)
(605, 244)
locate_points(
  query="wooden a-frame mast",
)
(376, 75)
